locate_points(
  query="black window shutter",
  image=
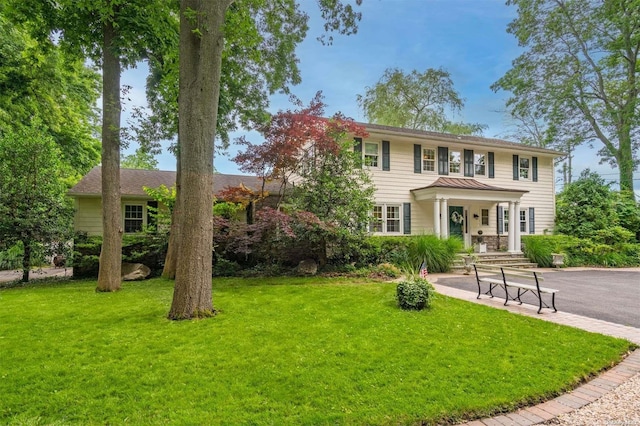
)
(417, 158)
(386, 161)
(500, 221)
(443, 160)
(516, 167)
(492, 166)
(534, 167)
(468, 162)
(406, 215)
(532, 220)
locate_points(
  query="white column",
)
(512, 227)
(436, 217)
(518, 242)
(444, 219)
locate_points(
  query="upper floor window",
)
(429, 160)
(525, 166)
(133, 219)
(454, 162)
(371, 153)
(480, 164)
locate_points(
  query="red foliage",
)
(240, 194)
(290, 134)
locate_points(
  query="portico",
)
(454, 200)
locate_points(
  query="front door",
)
(456, 220)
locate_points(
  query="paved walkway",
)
(580, 396)
(48, 271)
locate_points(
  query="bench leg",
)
(553, 302)
(540, 302)
(519, 301)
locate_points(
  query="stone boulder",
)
(134, 271)
(307, 267)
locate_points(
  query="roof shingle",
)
(132, 182)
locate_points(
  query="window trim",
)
(528, 169)
(483, 217)
(523, 223)
(141, 219)
(378, 154)
(434, 160)
(383, 222)
(460, 162)
(475, 164)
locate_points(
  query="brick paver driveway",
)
(605, 294)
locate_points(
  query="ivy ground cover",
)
(280, 351)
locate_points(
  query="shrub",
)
(11, 258)
(385, 270)
(148, 249)
(414, 295)
(583, 251)
(225, 268)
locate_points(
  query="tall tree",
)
(114, 34)
(417, 101)
(202, 35)
(39, 79)
(201, 45)
(580, 70)
(33, 206)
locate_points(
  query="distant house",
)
(87, 195)
(479, 189)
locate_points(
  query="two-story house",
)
(483, 190)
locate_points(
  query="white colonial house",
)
(483, 190)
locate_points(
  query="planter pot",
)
(557, 259)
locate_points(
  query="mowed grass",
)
(280, 351)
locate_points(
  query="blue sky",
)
(468, 38)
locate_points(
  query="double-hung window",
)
(133, 219)
(525, 166)
(523, 221)
(385, 218)
(371, 154)
(479, 164)
(429, 160)
(455, 159)
(484, 215)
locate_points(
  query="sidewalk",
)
(49, 271)
(605, 384)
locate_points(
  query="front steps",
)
(513, 260)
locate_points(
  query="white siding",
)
(395, 186)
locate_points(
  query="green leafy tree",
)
(114, 34)
(202, 35)
(579, 73)
(140, 159)
(33, 207)
(585, 206)
(39, 79)
(416, 101)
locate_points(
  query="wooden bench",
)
(499, 279)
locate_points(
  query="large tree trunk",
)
(201, 44)
(171, 259)
(111, 253)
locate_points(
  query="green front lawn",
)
(280, 351)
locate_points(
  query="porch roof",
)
(469, 189)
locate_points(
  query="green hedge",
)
(147, 249)
(408, 252)
(611, 249)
